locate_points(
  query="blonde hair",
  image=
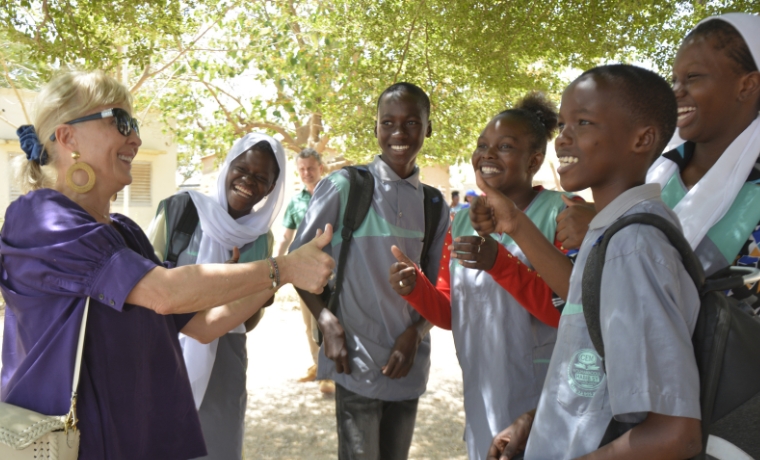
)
(67, 96)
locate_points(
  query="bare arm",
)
(658, 437)
(498, 214)
(213, 323)
(198, 287)
(287, 238)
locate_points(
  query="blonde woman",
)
(60, 245)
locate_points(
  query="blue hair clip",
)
(31, 145)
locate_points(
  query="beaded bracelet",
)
(274, 272)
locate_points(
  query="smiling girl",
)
(501, 312)
(227, 220)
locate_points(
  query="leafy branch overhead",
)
(310, 71)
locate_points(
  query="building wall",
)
(157, 150)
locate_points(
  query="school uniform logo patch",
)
(585, 374)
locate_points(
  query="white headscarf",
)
(220, 234)
(709, 200)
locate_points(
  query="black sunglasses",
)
(124, 122)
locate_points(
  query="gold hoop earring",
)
(80, 167)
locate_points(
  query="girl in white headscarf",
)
(238, 214)
(711, 180)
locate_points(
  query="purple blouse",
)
(134, 394)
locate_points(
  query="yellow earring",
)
(77, 167)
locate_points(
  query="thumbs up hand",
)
(494, 213)
(403, 274)
(572, 222)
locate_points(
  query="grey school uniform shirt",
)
(649, 307)
(371, 312)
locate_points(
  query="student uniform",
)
(734, 238)
(649, 308)
(222, 412)
(370, 311)
(503, 350)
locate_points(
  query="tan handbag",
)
(28, 435)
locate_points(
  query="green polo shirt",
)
(296, 210)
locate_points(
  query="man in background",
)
(310, 169)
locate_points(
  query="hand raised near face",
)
(494, 213)
(476, 252)
(403, 274)
(572, 222)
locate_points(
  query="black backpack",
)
(726, 342)
(361, 189)
(182, 218)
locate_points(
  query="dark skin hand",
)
(403, 278)
(572, 222)
(403, 274)
(513, 439)
(660, 437)
(333, 335)
(496, 213)
(476, 252)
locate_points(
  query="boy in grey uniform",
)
(377, 349)
(610, 133)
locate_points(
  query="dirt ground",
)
(286, 419)
(291, 420)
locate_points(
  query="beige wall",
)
(157, 149)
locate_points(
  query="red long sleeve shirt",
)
(525, 285)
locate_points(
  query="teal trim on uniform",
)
(542, 211)
(373, 225)
(542, 361)
(259, 250)
(673, 192)
(572, 309)
(731, 232)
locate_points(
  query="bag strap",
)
(592, 273)
(182, 232)
(433, 208)
(71, 418)
(360, 191)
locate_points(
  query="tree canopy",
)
(310, 71)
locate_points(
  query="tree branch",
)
(7, 75)
(287, 139)
(408, 39)
(296, 27)
(227, 113)
(181, 52)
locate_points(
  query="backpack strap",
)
(360, 192)
(181, 222)
(433, 208)
(592, 273)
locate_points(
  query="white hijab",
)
(220, 234)
(709, 200)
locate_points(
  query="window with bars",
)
(140, 190)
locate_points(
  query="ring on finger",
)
(401, 283)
